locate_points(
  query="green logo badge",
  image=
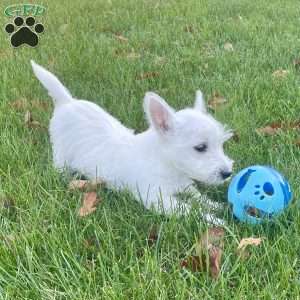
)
(24, 30)
(24, 10)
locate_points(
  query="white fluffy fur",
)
(155, 164)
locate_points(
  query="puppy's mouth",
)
(227, 179)
(217, 181)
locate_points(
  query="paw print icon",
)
(24, 32)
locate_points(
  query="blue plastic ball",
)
(257, 193)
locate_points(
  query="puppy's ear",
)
(159, 114)
(199, 102)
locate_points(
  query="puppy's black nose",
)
(225, 174)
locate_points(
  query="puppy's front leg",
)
(175, 205)
(209, 208)
(210, 204)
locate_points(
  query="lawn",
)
(112, 52)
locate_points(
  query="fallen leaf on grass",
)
(7, 205)
(292, 125)
(212, 244)
(30, 122)
(268, 130)
(296, 63)
(40, 104)
(274, 127)
(89, 203)
(153, 235)
(91, 243)
(193, 263)
(228, 46)
(189, 28)
(213, 237)
(280, 73)
(124, 54)
(216, 100)
(83, 185)
(147, 75)
(236, 136)
(133, 55)
(241, 249)
(297, 143)
(160, 60)
(19, 104)
(249, 241)
(22, 104)
(8, 239)
(121, 38)
(215, 256)
(209, 251)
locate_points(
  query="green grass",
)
(46, 251)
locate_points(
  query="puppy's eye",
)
(201, 148)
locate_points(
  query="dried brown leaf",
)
(189, 28)
(121, 38)
(119, 52)
(7, 204)
(9, 239)
(280, 73)
(91, 243)
(30, 122)
(147, 75)
(89, 203)
(78, 184)
(297, 143)
(268, 130)
(215, 256)
(28, 117)
(19, 104)
(212, 237)
(133, 55)
(153, 235)
(193, 263)
(249, 241)
(294, 125)
(244, 243)
(40, 105)
(160, 60)
(209, 251)
(84, 185)
(274, 127)
(216, 101)
(296, 63)
(211, 245)
(22, 104)
(236, 137)
(228, 46)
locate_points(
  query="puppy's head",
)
(191, 140)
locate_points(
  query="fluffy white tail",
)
(55, 88)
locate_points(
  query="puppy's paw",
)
(213, 220)
(213, 205)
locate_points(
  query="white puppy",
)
(177, 149)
